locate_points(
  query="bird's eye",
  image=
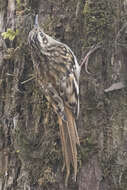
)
(41, 34)
(45, 41)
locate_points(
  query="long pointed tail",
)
(69, 140)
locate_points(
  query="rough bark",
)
(30, 149)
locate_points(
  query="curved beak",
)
(36, 25)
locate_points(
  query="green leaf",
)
(10, 34)
(18, 2)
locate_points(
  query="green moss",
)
(87, 148)
(10, 34)
(98, 18)
(47, 177)
(38, 145)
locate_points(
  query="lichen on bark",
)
(99, 18)
(30, 150)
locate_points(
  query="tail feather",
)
(69, 140)
(65, 148)
(73, 138)
(76, 134)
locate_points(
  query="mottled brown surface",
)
(30, 150)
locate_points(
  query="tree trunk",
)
(30, 149)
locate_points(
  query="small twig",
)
(28, 80)
(9, 74)
(86, 58)
(115, 86)
(122, 45)
(78, 8)
(17, 89)
(120, 31)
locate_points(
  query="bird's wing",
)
(69, 90)
(65, 70)
(68, 71)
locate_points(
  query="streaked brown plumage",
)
(58, 74)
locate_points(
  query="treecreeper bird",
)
(58, 72)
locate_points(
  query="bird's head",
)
(38, 39)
